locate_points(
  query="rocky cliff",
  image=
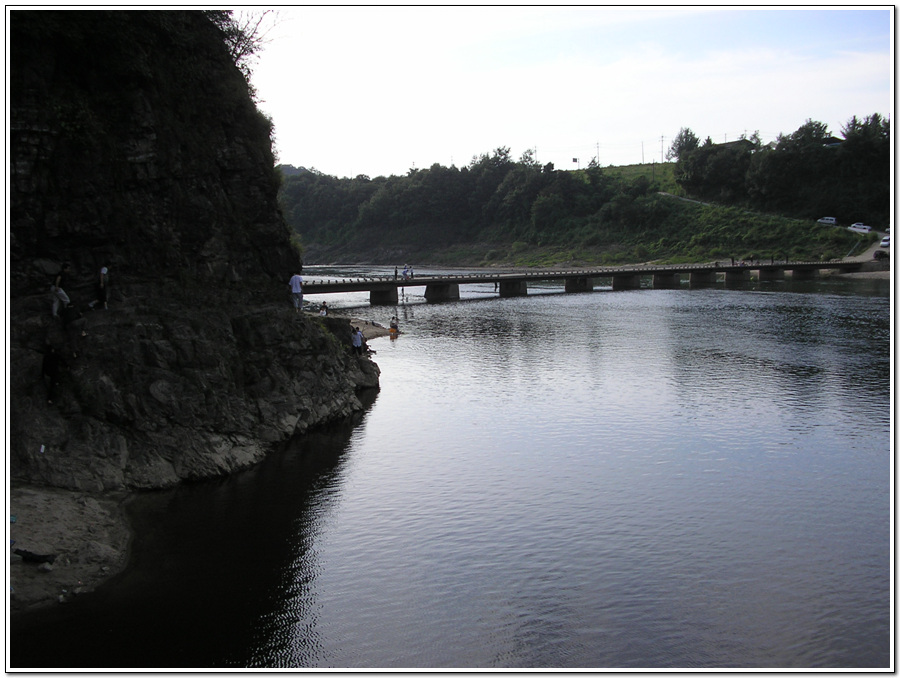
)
(135, 144)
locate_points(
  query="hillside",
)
(497, 212)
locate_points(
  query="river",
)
(691, 478)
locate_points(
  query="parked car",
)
(831, 221)
(886, 241)
(859, 227)
(880, 254)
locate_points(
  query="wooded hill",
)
(715, 201)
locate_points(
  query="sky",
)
(382, 90)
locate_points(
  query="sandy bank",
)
(86, 537)
(370, 328)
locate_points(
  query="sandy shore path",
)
(371, 329)
(85, 536)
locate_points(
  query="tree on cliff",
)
(245, 34)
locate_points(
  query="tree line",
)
(806, 174)
(497, 207)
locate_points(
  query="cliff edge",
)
(136, 146)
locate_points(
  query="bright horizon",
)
(381, 90)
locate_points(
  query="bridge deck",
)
(368, 284)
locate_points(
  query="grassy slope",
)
(692, 232)
(680, 231)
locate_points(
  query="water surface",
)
(642, 479)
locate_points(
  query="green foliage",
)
(685, 142)
(496, 211)
(808, 173)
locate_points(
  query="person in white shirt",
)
(296, 285)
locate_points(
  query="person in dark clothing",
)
(102, 289)
(74, 324)
(50, 371)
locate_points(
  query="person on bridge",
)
(296, 285)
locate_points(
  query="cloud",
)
(378, 90)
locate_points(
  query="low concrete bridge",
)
(383, 289)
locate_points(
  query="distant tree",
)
(810, 135)
(808, 175)
(715, 171)
(863, 162)
(753, 139)
(528, 158)
(872, 128)
(685, 142)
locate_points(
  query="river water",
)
(644, 479)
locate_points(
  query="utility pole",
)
(598, 154)
(642, 152)
(661, 141)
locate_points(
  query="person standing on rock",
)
(356, 338)
(102, 289)
(58, 289)
(74, 324)
(296, 285)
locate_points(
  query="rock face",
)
(135, 144)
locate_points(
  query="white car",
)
(831, 221)
(859, 227)
(886, 241)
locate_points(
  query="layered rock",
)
(135, 144)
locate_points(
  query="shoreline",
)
(87, 538)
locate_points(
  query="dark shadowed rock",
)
(135, 144)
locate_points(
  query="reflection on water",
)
(687, 478)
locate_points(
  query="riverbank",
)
(85, 535)
(370, 328)
(63, 544)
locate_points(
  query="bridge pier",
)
(442, 292)
(737, 276)
(703, 278)
(665, 281)
(513, 288)
(804, 273)
(383, 296)
(771, 274)
(579, 284)
(628, 281)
